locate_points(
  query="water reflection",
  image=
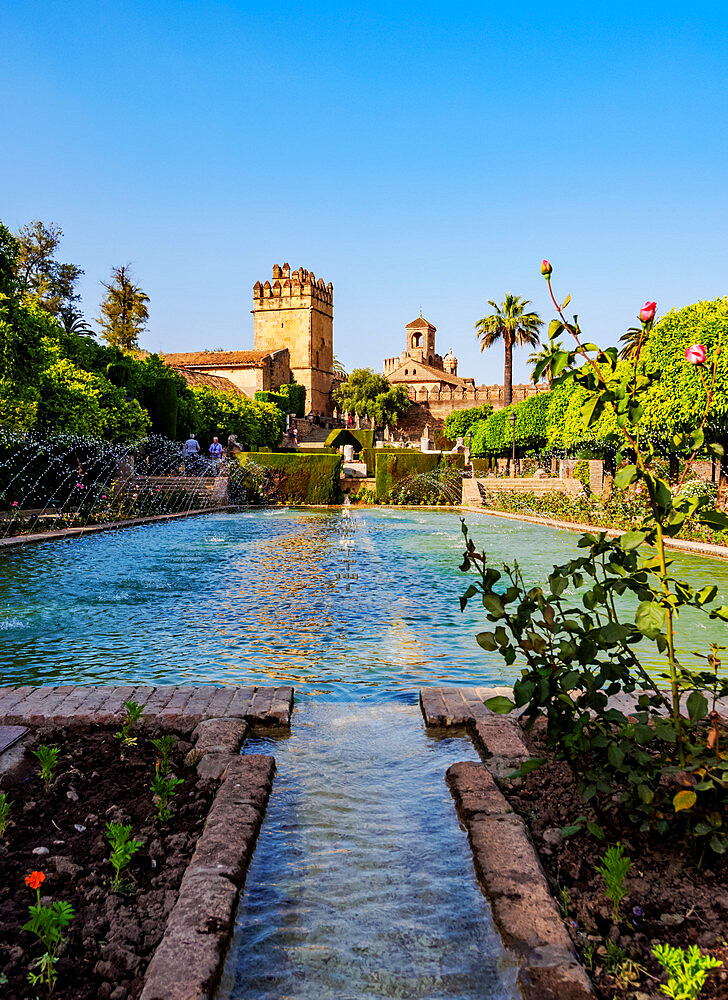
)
(341, 607)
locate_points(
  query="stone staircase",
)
(203, 491)
(475, 490)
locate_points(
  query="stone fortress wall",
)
(296, 311)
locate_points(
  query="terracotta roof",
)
(211, 359)
(425, 374)
(420, 322)
(217, 382)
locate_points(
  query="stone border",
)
(55, 536)
(169, 706)
(679, 544)
(189, 960)
(505, 859)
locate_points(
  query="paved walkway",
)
(460, 706)
(172, 706)
(679, 544)
(58, 535)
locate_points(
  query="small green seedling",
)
(565, 901)
(613, 868)
(5, 804)
(686, 970)
(133, 715)
(164, 746)
(122, 851)
(48, 760)
(163, 788)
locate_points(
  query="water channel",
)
(362, 884)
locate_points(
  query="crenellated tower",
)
(296, 310)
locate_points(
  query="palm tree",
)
(545, 351)
(634, 340)
(515, 326)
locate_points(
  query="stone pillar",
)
(596, 476)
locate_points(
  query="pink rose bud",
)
(546, 269)
(647, 312)
(696, 354)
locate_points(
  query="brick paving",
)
(171, 706)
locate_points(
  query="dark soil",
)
(113, 935)
(669, 900)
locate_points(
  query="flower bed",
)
(670, 898)
(622, 511)
(63, 833)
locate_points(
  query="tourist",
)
(190, 451)
(294, 436)
(215, 450)
(317, 418)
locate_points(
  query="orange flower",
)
(34, 879)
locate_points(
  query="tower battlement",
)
(294, 290)
(296, 310)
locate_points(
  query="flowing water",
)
(362, 884)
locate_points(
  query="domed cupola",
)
(450, 363)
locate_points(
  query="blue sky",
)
(422, 155)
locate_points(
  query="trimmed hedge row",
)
(348, 435)
(311, 479)
(393, 467)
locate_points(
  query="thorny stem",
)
(669, 629)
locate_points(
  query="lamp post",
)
(512, 418)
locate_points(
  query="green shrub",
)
(581, 472)
(393, 467)
(285, 477)
(291, 398)
(459, 422)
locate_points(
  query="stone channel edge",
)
(188, 961)
(504, 857)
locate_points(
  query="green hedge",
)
(298, 478)
(349, 435)
(369, 455)
(291, 398)
(483, 465)
(393, 467)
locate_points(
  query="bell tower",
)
(421, 340)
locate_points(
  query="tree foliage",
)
(459, 422)
(510, 323)
(219, 414)
(372, 395)
(124, 312)
(41, 277)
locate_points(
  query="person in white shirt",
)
(190, 451)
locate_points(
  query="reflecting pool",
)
(342, 607)
(362, 884)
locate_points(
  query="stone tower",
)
(421, 340)
(296, 311)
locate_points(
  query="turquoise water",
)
(362, 883)
(343, 608)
